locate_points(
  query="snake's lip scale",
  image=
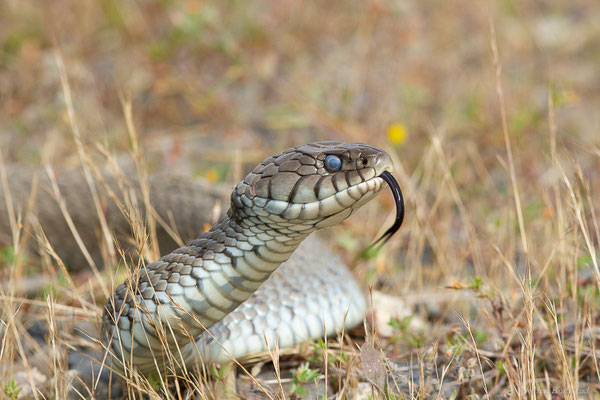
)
(399, 200)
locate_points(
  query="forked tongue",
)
(393, 184)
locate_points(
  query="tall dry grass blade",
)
(141, 168)
(505, 131)
(85, 163)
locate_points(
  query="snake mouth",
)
(399, 200)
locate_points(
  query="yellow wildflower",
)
(396, 133)
(212, 175)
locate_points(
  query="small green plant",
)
(154, 381)
(455, 345)
(220, 373)
(480, 336)
(157, 385)
(369, 253)
(320, 347)
(400, 324)
(52, 289)
(476, 283)
(405, 335)
(304, 374)
(7, 255)
(11, 389)
(500, 367)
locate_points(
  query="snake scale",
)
(256, 279)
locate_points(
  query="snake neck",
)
(197, 285)
(247, 248)
(233, 260)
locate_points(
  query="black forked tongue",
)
(393, 184)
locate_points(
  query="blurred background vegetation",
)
(212, 83)
(273, 74)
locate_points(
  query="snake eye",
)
(333, 163)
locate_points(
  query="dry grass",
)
(498, 257)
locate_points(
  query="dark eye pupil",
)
(333, 163)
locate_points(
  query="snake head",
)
(312, 186)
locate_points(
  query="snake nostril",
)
(364, 161)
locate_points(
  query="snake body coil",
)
(158, 319)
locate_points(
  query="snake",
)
(257, 279)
